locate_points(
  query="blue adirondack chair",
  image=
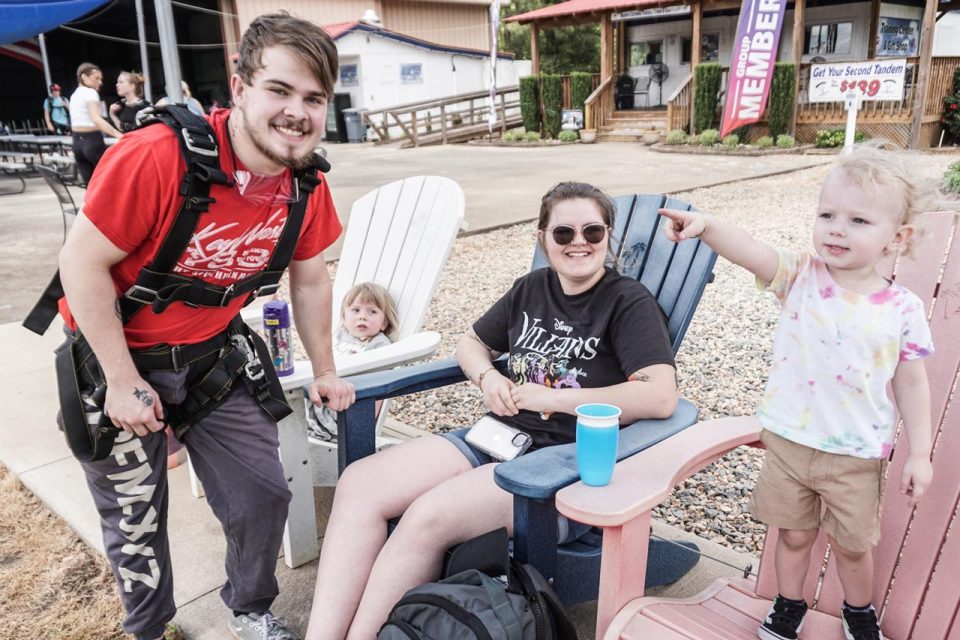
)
(676, 274)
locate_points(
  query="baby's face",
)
(363, 319)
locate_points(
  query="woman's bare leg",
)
(369, 493)
(456, 510)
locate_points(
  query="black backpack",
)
(472, 605)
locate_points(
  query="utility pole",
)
(144, 60)
(168, 50)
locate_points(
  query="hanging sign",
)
(875, 80)
(652, 12)
(751, 64)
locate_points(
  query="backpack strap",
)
(499, 602)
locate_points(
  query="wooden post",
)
(695, 50)
(606, 47)
(621, 48)
(535, 48)
(443, 123)
(874, 25)
(799, 27)
(923, 72)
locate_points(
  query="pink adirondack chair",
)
(917, 590)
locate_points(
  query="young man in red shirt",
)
(286, 72)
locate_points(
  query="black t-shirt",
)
(127, 115)
(593, 339)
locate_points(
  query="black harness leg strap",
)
(45, 310)
(89, 432)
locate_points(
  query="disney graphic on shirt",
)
(542, 356)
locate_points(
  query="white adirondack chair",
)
(399, 236)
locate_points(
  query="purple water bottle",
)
(276, 324)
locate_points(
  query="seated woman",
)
(577, 332)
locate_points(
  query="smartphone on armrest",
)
(499, 441)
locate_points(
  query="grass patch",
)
(51, 584)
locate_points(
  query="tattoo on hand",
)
(143, 396)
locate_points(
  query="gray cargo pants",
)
(234, 453)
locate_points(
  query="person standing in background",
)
(88, 125)
(124, 111)
(192, 103)
(56, 112)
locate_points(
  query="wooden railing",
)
(939, 86)
(598, 107)
(447, 119)
(680, 106)
(565, 80)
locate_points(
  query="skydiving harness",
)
(216, 363)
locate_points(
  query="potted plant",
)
(651, 136)
(588, 136)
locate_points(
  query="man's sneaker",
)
(259, 626)
(861, 624)
(784, 620)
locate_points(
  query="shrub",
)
(951, 182)
(531, 136)
(782, 97)
(568, 136)
(834, 138)
(530, 102)
(677, 136)
(709, 138)
(512, 136)
(951, 109)
(579, 88)
(706, 97)
(551, 92)
(786, 142)
(764, 142)
(731, 140)
(694, 140)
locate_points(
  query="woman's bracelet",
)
(482, 374)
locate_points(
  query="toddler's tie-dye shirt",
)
(833, 354)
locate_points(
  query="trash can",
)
(356, 129)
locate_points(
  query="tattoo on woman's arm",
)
(639, 376)
(143, 396)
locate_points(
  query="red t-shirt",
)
(134, 200)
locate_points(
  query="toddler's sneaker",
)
(860, 624)
(259, 626)
(784, 620)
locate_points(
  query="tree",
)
(562, 50)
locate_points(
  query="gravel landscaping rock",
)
(723, 362)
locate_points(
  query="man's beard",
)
(295, 163)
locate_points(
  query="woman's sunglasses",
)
(592, 233)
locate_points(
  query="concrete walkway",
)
(503, 186)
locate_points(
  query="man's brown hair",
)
(307, 41)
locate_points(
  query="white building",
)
(380, 68)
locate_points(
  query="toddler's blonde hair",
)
(870, 166)
(377, 295)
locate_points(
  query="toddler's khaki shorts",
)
(803, 488)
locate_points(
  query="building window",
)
(709, 48)
(648, 52)
(824, 39)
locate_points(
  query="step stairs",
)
(631, 125)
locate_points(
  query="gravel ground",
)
(722, 364)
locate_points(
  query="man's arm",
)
(727, 239)
(311, 292)
(85, 262)
(911, 390)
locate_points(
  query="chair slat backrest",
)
(55, 181)
(399, 236)
(916, 560)
(675, 274)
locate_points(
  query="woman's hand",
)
(497, 394)
(534, 397)
(681, 225)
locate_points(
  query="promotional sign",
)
(897, 37)
(653, 12)
(874, 80)
(751, 64)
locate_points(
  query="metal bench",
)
(15, 169)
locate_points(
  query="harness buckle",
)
(227, 296)
(136, 289)
(176, 358)
(253, 368)
(188, 141)
(266, 290)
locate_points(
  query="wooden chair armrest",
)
(644, 480)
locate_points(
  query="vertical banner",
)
(494, 32)
(751, 62)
